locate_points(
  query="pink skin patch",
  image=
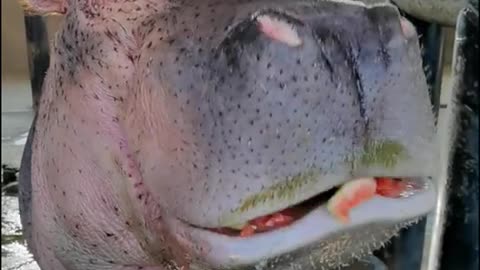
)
(279, 30)
(407, 28)
(41, 7)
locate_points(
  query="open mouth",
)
(347, 207)
(278, 219)
(340, 200)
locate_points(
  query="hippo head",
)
(225, 111)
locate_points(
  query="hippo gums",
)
(226, 134)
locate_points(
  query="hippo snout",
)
(270, 93)
(226, 135)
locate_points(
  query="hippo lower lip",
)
(315, 225)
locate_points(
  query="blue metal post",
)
(460, 240)
(38, 54)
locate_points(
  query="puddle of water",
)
(20, 141)
(15, 255)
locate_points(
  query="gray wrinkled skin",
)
(181, 112)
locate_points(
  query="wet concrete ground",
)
(15, 255)
(16, 119)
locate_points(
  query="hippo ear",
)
(44, 7)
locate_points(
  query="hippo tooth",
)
(279, 30)
(350, 195)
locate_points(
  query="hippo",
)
(164, 126)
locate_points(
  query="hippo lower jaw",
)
(313, 228)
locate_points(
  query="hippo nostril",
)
(279, 30)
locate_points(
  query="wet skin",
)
(162, 120)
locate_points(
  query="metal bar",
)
(434, 41)
(406, 250)
(38, 55)
(460, 239)
(453, 242)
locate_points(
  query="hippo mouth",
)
(339, 201)
(278, 219)
(310, 222)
